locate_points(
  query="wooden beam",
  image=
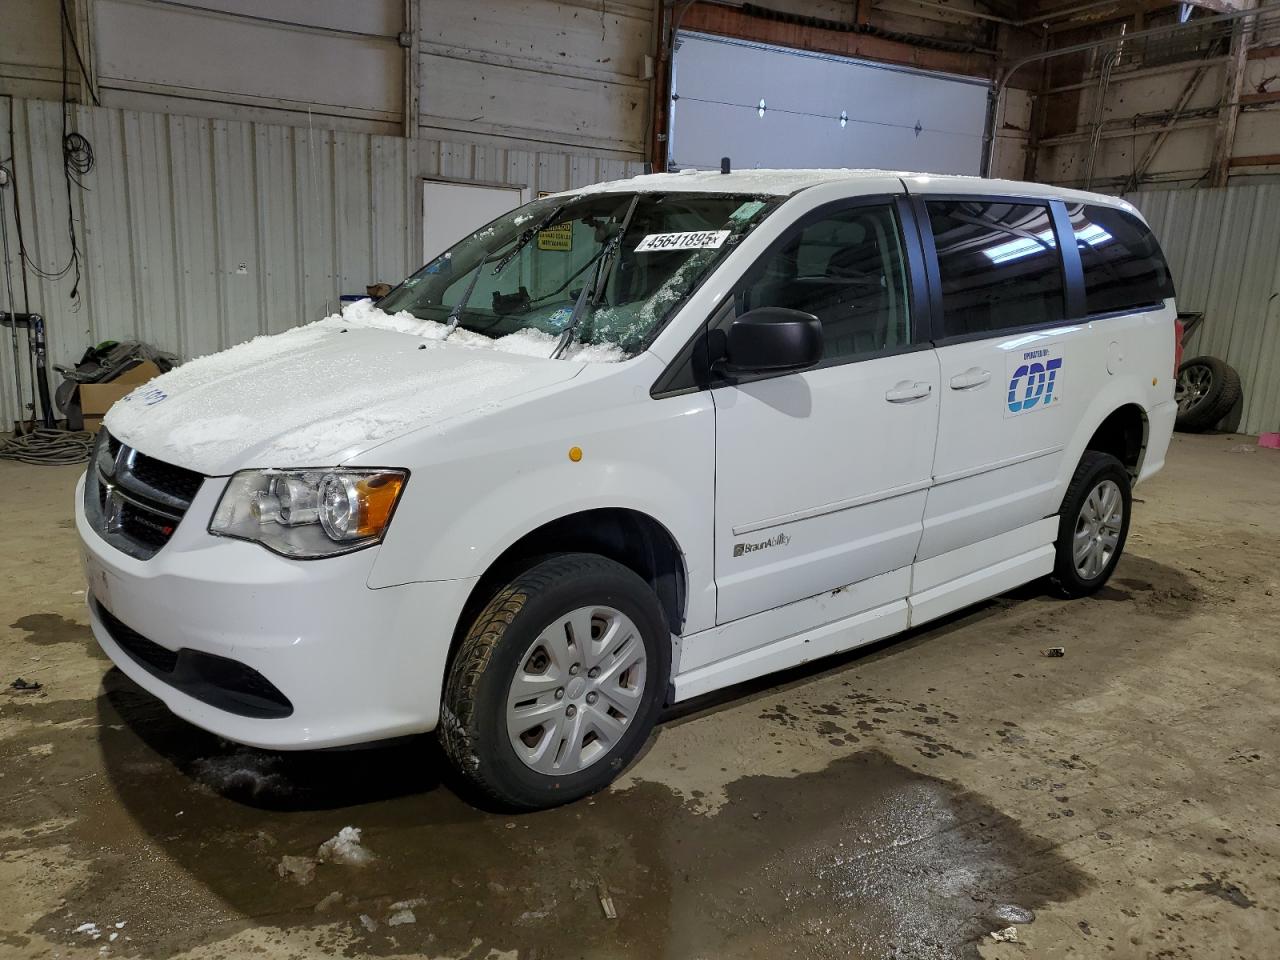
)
(732, 22)
(1258, 160)
(1264, 52)
(1188, 91)
(1248, 98)
(1213, 6)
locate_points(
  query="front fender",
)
(502, 476)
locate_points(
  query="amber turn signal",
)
(377, 497)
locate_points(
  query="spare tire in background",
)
(1206, 391)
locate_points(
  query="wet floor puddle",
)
(183, 837)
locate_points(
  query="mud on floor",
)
(848, 837)
(186, 836)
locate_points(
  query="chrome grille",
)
(133, 501)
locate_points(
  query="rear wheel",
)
(1093, 524)
(1206, 390)
(558, 682)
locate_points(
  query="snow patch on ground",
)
(301, 870)
(345, 848)
(244, 771)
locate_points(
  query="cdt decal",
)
(1034, 382)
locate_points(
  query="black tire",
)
(1095, 469)
(473, 725)
(1207, 389)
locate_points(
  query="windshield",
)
(511, 276)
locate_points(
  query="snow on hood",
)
(317, 395)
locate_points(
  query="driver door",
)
(821, 475)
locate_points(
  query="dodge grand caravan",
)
(627, 445)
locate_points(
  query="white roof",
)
(775, 182)
(786, 182)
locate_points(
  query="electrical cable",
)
(77, 160)
(77, 155)
(47, 447)
(17, 214)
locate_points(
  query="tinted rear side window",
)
(998, 265)
(1123, 266)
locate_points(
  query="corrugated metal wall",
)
(1223, 247)
(197, 234)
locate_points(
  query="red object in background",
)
(1178, 328)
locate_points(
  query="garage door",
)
(767, 106)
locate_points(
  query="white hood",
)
(320, 394)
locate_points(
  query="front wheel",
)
(1093, 524)
(557, 683)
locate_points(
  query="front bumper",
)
(354, 664)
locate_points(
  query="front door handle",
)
(907, 390)
(973, 377)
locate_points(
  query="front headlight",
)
(309, 513)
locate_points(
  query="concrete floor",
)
(894, 802)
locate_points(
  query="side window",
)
(846, 269)
(1123, 266)
(998, 264)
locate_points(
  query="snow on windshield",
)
(527, 342)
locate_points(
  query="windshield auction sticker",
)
(695, 240)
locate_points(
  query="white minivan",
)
(626, 445)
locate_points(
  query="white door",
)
(451, 211)
(1015, 372)
(821, 475)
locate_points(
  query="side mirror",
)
(772, 340)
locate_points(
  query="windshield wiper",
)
(527, 236)
(455, 315)
(590, 293)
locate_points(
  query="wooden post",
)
(412, 71)
(82, 18)
(1229, 106)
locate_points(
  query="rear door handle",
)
(973, 377)
(906, 391)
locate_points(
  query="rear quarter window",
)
(1124, 268)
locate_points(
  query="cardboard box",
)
(96, 398)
